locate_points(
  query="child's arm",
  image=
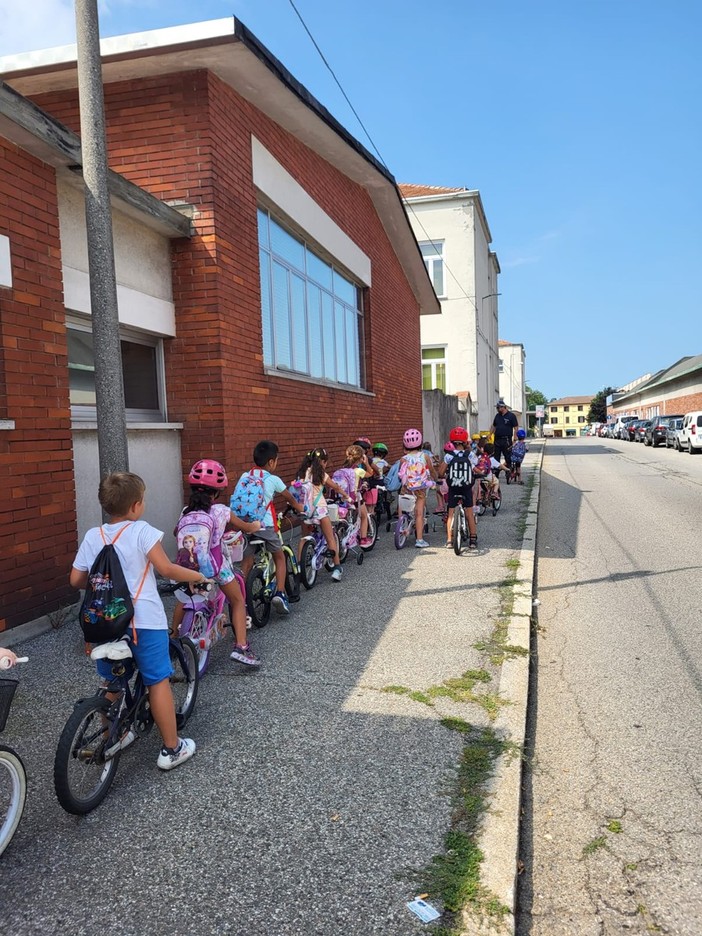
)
(333, 486)
(78, 578)
(167, 569)
(430, 465)
(443, 468)
(371, 469)
(236, 524)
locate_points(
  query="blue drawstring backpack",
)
(392, 478)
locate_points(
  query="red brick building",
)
(269, 284)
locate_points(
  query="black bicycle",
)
(100, 728)
(459, 526)
(13, 776)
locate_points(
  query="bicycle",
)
(100, 728)
(261, 582)
(405, 519)
(487, 498)
(383, 505)
(315, 553)
(459, 527)
(348, 531)
(13, 776)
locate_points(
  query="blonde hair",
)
(119, 491)
(354, 454)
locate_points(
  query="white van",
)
(691, 432)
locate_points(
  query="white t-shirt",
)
(132, 547)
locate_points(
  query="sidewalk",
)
(316, 794)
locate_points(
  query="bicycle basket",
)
(7, 690)
(406, 503)
(333, 512)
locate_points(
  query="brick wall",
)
(188, 137)
(686, 402)
(37, 493)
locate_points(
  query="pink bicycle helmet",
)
(412, 438)
(208, 473)
(449, 447)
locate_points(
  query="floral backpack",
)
(347, 479)
(414, 472)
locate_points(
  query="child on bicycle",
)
(379, 459)
(266, 485)
(139, 549)
(313, 475)
(349, 477)
(200, 544)
(457, 469)
(417, 474)
(517, 454)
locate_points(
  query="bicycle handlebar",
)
(7, 663)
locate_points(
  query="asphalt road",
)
(612, 836)
(313, 796)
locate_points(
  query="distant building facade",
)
(512, 374)
(674, 390)
(568, 416)
(459, 347)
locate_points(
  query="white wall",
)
(513, 379)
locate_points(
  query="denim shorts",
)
(151, 655)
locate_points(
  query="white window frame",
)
(81, 413)
(436, 261)
(433, 362)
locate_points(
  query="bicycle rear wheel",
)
(372, 532)
(13, 794)
(82, 776)
(308, 569)
(292, 577)
(457, 530)
(257, 600)
(185, 678)
(402, 531)
(195, 627)
(496, 504)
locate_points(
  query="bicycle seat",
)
(114, 650)
(256, 542)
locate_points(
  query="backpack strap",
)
(143, 578)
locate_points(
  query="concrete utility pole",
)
(109, 387)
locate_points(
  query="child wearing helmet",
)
(418, 475)
(379, 459)
(199, 533)
(519, 450)
(312, 479)
(457, 468)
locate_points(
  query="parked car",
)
(655, 433)
(691, 432)
(672, 432)
(640, 431)
(620, 427)
(631, 428)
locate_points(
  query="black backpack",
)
(108, 608)
(460, 472)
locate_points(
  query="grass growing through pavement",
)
(457, 689)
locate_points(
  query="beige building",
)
(459, 348)
(568, 416)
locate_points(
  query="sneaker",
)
(244, 655)
(365, 542)
(280, 603)
(476, 511)
(449, 545)
(421, 544)
(336, 574)
(473, 542)
(173, 757)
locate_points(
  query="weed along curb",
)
(498, 838)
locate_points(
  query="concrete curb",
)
(499, 836)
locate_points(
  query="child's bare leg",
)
(472, 525)
(233, 595)
(163, 710)
(364, 521)
(419, 516)
(328, 531)
(305, 530)
(178, 615)
(449, 523)
(279, 559)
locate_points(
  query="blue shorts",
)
(151, 655)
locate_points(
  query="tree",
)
(598, 406)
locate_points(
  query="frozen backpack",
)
(248, 502)
(347, 479)
(414, 472)
(108, 606)
(195, 535)
(459, 472)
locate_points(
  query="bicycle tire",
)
(194, 626)
(11, 767)
(185, 679)
(402, 531)
(342, 531)
(292, 577)
(372, 533)
(256, 600)
(308, 569)
(457, 530)
(496, 504)
(82, 741)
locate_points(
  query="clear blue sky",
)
(578, 120)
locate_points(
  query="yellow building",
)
(566, 417)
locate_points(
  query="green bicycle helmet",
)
(380, 447)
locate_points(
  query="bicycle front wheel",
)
(372, 532)
(82, 776)
(457, 530)
(308, 569)
(13, 794)
(185, 678)
(292, 577)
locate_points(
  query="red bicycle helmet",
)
(412, 438)
(208, 473)
(449, 447)
(458, 434)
